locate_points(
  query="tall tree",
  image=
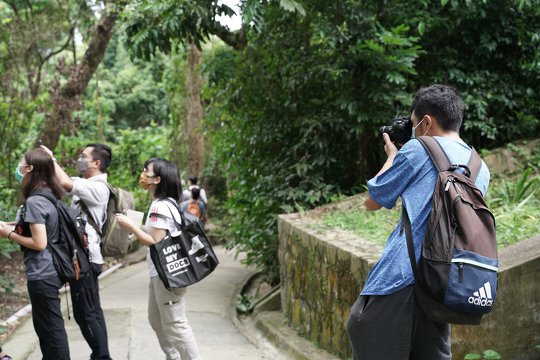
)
(151, 26)
(194, 111)
(32, 35)
(65, 98)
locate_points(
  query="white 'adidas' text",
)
(482, 297)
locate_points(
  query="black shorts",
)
(394, 327)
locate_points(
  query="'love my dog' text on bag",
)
(184, 256)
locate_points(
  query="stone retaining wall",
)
(323, 271)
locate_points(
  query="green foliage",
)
(486, 355)
(292, 6)
(124, 93)
(7, 247)
(501, 95)
(32, 36)
(515, 207)
(518, 192)
(7, 283)
(244, 304)
(287, 120)
(151, 24)
(132, 148)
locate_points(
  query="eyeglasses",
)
(150, 175)
(84, 157)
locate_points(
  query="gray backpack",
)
(115, 241)
(456, 276)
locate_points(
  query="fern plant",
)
(517, 193)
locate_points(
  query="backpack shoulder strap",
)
(89, 218)
(435, 152)
(474, 164)
(46, 195)
(85, 209)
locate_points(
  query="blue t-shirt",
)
(412, 177)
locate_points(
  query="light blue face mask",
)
(18, 176)
(414, 129)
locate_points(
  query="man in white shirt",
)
(90, 194)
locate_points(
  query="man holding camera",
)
(385, 322)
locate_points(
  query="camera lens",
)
(400, 130)
(385, 129)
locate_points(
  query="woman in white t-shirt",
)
(166, 308)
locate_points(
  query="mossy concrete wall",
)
(322, 273)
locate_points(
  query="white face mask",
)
(414, 129)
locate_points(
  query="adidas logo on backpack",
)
(482, 297)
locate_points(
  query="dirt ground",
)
(13, 293)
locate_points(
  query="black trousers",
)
(88, 313)
(394, 327)
(47, 318)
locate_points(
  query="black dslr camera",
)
(399, 131)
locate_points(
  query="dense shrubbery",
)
(295, 114)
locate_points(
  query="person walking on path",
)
(91, 195)
(40, 226)
(166, 307)
(385, 322)
(195, 206)
(193, 185)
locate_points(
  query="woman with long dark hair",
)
(39, 219)
(166, 308)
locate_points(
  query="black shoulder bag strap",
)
(161, 216)
(89, 219)
(406, 225)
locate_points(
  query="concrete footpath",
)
(210, 311)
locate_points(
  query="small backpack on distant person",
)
(114, 240)
(456, 276)
(69, 254)
(194, 209)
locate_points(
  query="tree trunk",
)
(65, 99)
(194, 112)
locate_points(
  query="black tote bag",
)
(185, 256)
